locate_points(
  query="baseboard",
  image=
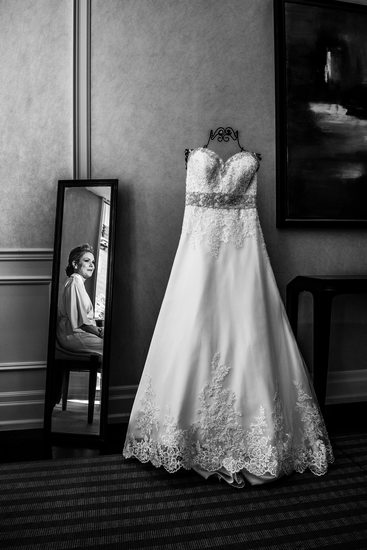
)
(22, 409)
(22, 424)
(26, 254)
(121, 399)
(349, 386)
(346, 418)
(119, 418)
(23, 365)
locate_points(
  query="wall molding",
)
(123, 392)
(22, 403)
(21, 394)
(24, 365)
(120, 401)
(27, 423)
(25, 266)
(25, 279)
(26, 254)
(118, 418)
(22, 409)
(82, 89)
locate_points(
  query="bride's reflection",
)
(77, 330)
(78, 350)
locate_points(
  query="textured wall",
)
(35, 116)
(163, 74)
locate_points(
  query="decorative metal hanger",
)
(222, 134)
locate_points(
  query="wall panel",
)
(25, 301)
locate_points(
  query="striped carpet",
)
(105, 502)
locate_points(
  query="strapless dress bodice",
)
(213, 183)
(220, 200)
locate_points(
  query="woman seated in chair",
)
(76, 329)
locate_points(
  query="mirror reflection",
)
(81, 302)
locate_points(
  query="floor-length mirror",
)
(80, 311)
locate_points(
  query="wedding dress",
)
(224, 390)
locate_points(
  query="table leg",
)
(322, 303)
(292, 296)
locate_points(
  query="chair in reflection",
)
(67, 362)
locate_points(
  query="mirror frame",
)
(66, 437)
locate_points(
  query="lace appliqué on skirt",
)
(213, 226)
(218, 438)
(314, 452)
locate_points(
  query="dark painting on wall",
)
(321, 108)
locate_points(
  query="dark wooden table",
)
(323, 290)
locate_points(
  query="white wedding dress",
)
(224, 389)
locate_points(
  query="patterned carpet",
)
(105, 502)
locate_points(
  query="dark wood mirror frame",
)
(65, 437)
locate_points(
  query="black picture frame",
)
(321, 113)
(52, 437)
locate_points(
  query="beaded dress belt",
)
(220, 200)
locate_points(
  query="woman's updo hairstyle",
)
(75, 256)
